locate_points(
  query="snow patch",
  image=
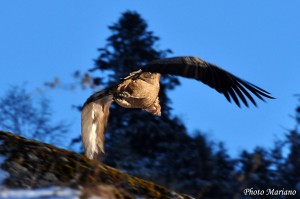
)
(49, 193)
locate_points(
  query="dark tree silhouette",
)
(160, 148)
(155, 148)
(131, 45)
(272, 170)
(289, 170)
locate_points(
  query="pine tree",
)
(155, 148)
(135, 134)
(256, 172)
(290, 171)
(224, 184)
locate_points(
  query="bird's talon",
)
(120, 95)
(124, 94)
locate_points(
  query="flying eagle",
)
(140, 90)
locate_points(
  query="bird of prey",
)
(140, 90)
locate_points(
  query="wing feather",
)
(222, 81)
(94, 117)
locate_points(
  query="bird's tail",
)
(94, 117)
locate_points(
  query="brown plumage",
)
(140, 90)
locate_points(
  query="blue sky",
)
(256, 40)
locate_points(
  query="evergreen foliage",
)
(162, 150)
(156, 148)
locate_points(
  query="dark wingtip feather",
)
(227, 96)
(241, 96)
(232, 87)
(257, 91)
(234, 97)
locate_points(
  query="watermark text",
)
(269, 192)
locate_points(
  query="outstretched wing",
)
(224, 82)
(94, 117)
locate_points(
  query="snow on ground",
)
(43, 193)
